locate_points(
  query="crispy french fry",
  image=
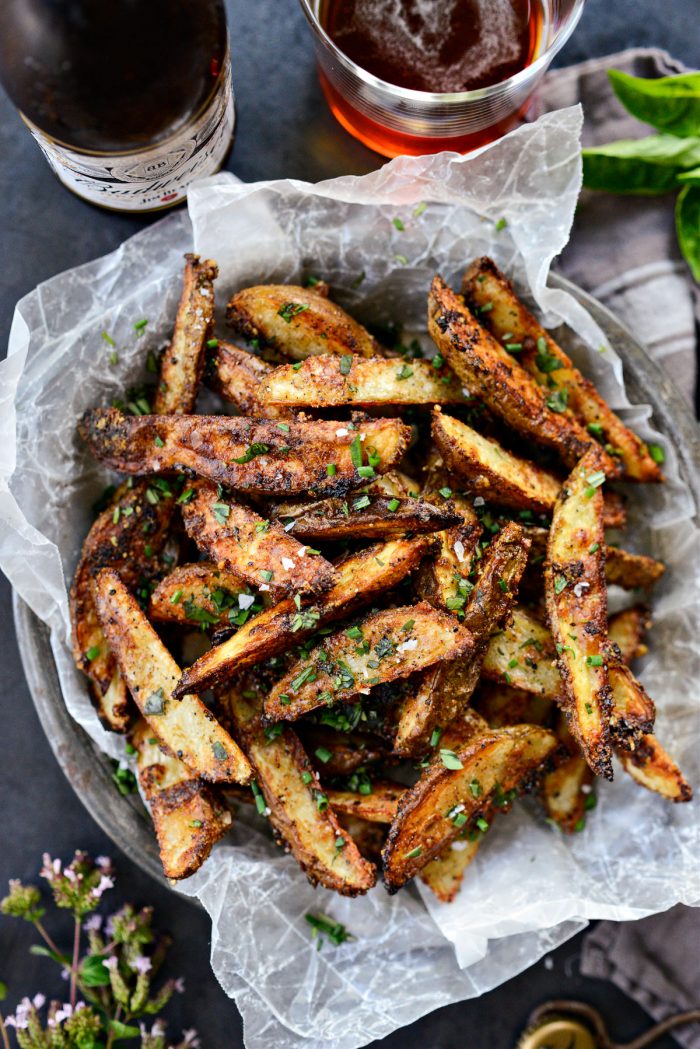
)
(186, 727)
(487, 369)
(363, 515)
(576, 598)
(490, 602)
(523, 655)
(630, 571)
(187, 815)
(235, 374)
(298, 806)
(248, 455)
(444, 874)
(650, 766)
(202, 594)
(627, 630)
(377, 807)
(329, 381)
(183, 361)
(297, 322)
(361, 577)
(632, 712)
(384, 646)
(244, 543)
(448, 800)
(566, 788)
(509, 321)
(117, 539)
(443, 577)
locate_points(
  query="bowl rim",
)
(89, 770)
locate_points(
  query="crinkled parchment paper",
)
(530, 888)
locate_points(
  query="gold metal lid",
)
(558, 1033)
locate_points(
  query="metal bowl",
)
(89, 771)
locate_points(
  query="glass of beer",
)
(421, 76)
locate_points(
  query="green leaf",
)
(688, 227)
(120, 1030)
(669, 103)
(645, 165)
(93, 971)
(690, 176)
(3, 991)
(44, 952)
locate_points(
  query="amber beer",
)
(129, 100)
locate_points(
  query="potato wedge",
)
(363, 515)
(361, 577)
(200, 594)
(383, 647)
(136, 519)
(298, 322)
(245, 454)
(490, 602)
(502, 705)
(447, 801)
(249, 546)
(510, 321)
(566, 788)
(330, 381)
(186, 727)
(629, 571)
(235, 374)
(443, 578)
(182, 363)
(632, 712)
(298, 806)
(444, 874)
(523, 655)
(491, 470)
(627, 629)
(650, 766)
(487, 369)
(187, 815)
(377, 807)
(576, 598)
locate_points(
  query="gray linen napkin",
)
(623, 250)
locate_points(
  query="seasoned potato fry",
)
(330, 381)
(187, 815)
(298, 807)
(182, 363)
(650, 766)
(298, 322)
(576, 598)
(523, 655)
(377, 807)
(630, 571)
(490, 602)
(632, 712)
(245, 454)
(369, 837)
(118, 539)
(502, 760)
(445, 873)
(502, 705)
(491, 470)
(244, 543)
(443, 577)
(627, 629)
(487, 369)
(186, 727)
(565, 789)
(363, 515)
(361, 577)
(235, 374)
(201, 594)
(509, 321)
(384, 646)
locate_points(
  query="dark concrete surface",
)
(283, 130)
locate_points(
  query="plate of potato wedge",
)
(364, 597)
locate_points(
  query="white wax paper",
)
(530, 888)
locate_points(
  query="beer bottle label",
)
(155, 177)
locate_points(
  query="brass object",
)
(558, 1033)
(566, 1024)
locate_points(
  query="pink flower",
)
(93, 923)
(39, 1000)
(104, 863)
(191, 1038)
(104, 884)
(19, 1020)
(141, 964)
(64, 1013)
(158, 1029)
(51, 868)
(111, 963)
(179, 985)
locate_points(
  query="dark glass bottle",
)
(129, 100)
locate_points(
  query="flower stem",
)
(117, 1017)
(46, 938)
(4, 1034)
(74, 963)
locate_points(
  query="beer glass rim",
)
(437, 97)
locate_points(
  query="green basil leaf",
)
(121, 1030)
(646, 165)
(688, 227)
(669, 103)
(94, 972)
